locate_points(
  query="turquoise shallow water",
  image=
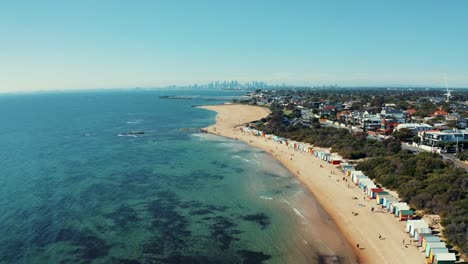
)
(75, 190)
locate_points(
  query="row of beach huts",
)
(434, 249)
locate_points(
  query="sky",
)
(60, 45)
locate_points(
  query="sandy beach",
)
(380, 235)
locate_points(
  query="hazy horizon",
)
(53, 45)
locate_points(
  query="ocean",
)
(77, 188)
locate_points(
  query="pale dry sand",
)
(327, 184)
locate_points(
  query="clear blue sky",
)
(100, 44)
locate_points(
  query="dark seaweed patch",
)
(272, 175)
(216, 208)
(43, 233)
(201, 175)
(219, 164)
(10, 250)
(201, 209)
(260, 218)
(201, 212)
(238, 170)
(124, 217)
(223, 231)
(181, 259)
(191, 204)
(125, 261)
(253, 257)
(171, 228)
(89, 246)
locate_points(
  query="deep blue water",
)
(75, 190)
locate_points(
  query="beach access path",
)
(381, 237)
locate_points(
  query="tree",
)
(403, 134)
(393, 145)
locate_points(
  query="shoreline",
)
(379, 235)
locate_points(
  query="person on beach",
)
(357, 245)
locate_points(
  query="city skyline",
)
(59, 46)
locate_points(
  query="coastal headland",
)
(377, 237)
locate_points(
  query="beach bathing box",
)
(363, 183)
(413, 224)
(444, 258)
(434, 251)
(346, 167)
(429, 238)
(381, 195)
(374, 192)
(420, 232)
(325, 156)
(349, 171)
(422, 237)
(389, 201)
(356, 173)
(368, 187)
(335, 160)
(394, 206)
(433, 245)
(406, 214)
(399, 207)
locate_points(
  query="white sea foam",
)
(207, 136)
(299, 213)
(134, 122)
(266, 197)
(123, 135)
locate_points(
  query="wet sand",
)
(379, 235)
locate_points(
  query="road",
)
(446, 156)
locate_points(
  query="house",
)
(440, 138)
(453, 117)
(411, 112)
(414, 128)
(439, 113)
(392, 113)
